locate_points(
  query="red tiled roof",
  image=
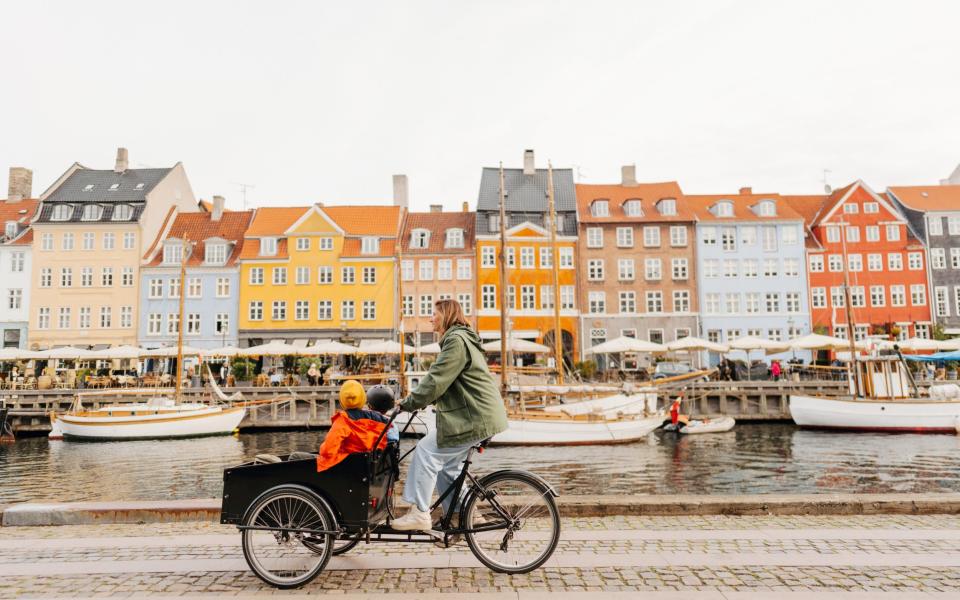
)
(22, 212)
(199, 226)
(648, 194)
(808, 206)
(352, 246)
(383, 221)
(251, 250)
(928, 197)
(742, 207)
(437, 223)
(274, 220)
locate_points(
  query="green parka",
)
(469, 407)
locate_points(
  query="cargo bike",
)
(292, 519)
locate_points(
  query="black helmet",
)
(380, 398)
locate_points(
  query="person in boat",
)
(469, 410)
(676, 419)
(352, 429)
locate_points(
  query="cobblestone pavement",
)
(699, 557)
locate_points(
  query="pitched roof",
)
(830, 202)
(199, 226)
(526, 193)
(437, 223)
(274, 220)
(251, 250)
(807, 205)
(22, 212)
(352, 247)
(928, 197)
(648, 194)
(742, 207)
(73, 189)
(372, 220)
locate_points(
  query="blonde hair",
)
(450, 312)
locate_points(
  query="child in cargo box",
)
(353, 429)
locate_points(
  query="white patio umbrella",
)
(748, 343)
(9, 354)
(625, 344)
(694, 343)
(65, 353)
(517, 345)
(120, 352)
(224, 352)
(916, 344)
(951, 344)
(815, 341)
(170, 352)
(274, 348)
(433, 348)
(384, 347)
(332, 347)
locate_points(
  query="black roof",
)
(93, 186)
(527, 193)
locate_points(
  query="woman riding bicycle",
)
(469, 409)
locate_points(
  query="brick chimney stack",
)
(628, 175)
(400, 190)
(746, 191)
(528, 165)
(20, 184)
(123, 163)
(217, 212)
(466, 206)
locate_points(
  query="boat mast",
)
(503, 289)
(183, 292)
(855, 370)
(557, 337)
(403, 379)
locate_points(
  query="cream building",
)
(89, 236)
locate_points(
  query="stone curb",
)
(208, 509)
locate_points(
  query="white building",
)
(16, 212)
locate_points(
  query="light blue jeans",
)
(433, 467)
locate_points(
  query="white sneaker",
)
(414, 520)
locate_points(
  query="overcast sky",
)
(315, 102)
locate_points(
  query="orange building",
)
(530, 276)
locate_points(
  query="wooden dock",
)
(749, 400)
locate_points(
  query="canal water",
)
(751, 459)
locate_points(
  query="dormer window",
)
(493, 222)
(767, 208)
(88, 187)
(724, 208)
(61, 212)
(560, 223)
(92, 212)
(215, 253)
(370, 245)
(10, 230)
(455, 238)
(600, 208)
(173, 252)
(268, 246)
(114, 187)
(667, 206)
(419, 238)
(631, 208)
(122, 212)
(138, 187)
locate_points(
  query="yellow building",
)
(319, 273)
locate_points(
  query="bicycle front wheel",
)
(512, 522)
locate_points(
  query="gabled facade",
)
(437, 261)
(636, 262)
(16, 212)
(92, 229)
(530, 292)
(212, 281)
(750, 263)
(933, 213)
(885, 263)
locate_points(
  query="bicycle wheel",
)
(344, 545)
(518, 522)
(288, 559)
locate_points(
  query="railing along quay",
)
(748, 400)
(300, 407)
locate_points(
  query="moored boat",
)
(718, 425)
(154, 419)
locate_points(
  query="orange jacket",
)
(347, 436)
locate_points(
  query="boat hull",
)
(718, 425)
(813, 412)
(561, 432)
(179, 424)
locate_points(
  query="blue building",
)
(751, 269)
(212, 279)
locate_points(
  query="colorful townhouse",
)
(16, 212)
(529, 255)
(750, 264)
(636, 262)
(213, 242)
(933, 212)
(91, 231)
(319, 272)
(885, 264)
(436, 262)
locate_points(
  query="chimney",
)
(20, 184)
(122, 162)
(436, 208)
(746, 191)
(466, 207)
(628, 175)
(217, 211)
(400, 190)
(528, 166)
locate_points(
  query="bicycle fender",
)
(532, 477)
(289, 486)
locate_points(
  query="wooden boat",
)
(719, 425)
(155, 418)
(882, 397)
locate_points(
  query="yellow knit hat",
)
(352, 395)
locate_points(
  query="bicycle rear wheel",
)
(516, 522)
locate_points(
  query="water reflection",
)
(751, 459)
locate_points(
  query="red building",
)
(885, 263)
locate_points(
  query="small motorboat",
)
(719, 425)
